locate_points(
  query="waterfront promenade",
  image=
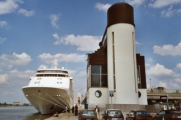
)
(64, 116)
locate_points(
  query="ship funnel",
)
(62, 68)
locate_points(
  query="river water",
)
(21, 113)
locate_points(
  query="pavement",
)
(64, 116)
(73, 118)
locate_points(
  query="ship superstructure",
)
(50, 90)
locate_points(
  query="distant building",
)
(18, 103)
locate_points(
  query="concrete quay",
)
(64, 116)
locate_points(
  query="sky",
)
(35, 32)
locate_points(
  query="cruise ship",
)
(50, 90)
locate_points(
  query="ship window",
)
(57, 82)
(60, 82)
(52, 71)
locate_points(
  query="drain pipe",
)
(167, 103)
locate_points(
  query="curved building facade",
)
(115, 66)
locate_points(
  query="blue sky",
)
(35, 32)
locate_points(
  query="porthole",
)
(139, 94)
(98, 93)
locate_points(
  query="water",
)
(21, 113)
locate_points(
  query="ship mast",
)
(54, 64)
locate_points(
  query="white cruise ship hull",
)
(48, 100)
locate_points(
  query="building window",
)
(133, 42)
(138, 76)
(98, 93)
(139, 94)
(98, 76)
(114, 75)
(95, 82)
(95, 69)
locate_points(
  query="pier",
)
(64, 116)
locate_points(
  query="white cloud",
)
(26, 13)
(175, 85)
(54, 18)
(168, 13)
(14, 60)
(161, 72)
(3, 78)
(8, 93)
(162, 84)
(138, 43)
(178, 66)
(21, 74)
(167, 50)
(3, 24)
(178, 80)
(135, 2)
(83, 42)
(179, 11)
(150, 60)
(163, 3)
(102, 7)
(8, 6)
(71, 72)
(48, 58)
(148, 65)
(82, 74)
(2, 40)
(42, 67)
(163, 77)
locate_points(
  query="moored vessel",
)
(50, 90)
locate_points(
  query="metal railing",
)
(174, 91)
